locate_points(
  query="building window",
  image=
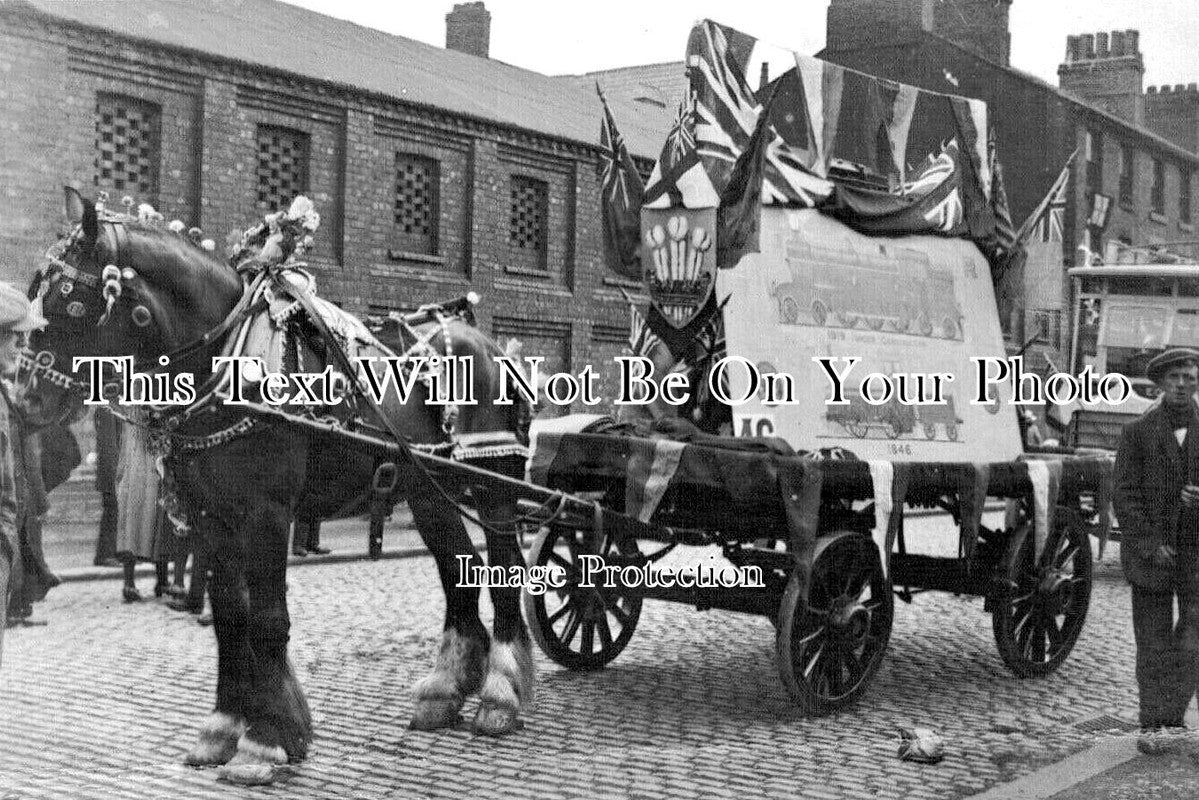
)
(1094, 146)
(282, 166)
(1157, 195)
(417, 203)
(1184, 195)
(127, 147)
(1126, 175)
(528, 224)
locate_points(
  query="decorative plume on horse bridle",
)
(281, 238)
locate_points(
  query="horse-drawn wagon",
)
(780, 282)
(817, 540)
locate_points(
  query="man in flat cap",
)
(17, 318)
(1157, 504)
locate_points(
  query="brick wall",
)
(1173, 112)
(210, 112)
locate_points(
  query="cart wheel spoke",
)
(572, 626)
(605, 632)
(588, 645)
(566, 608)
(621, 615)
(813, 660)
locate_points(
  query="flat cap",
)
(16, 312)
(1175, 356)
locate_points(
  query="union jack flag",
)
(1045, 223)
(726, 114)
(679, 178)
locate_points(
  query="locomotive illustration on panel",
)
(889, 288)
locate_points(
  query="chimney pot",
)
(1101, 50)
(1132, 39)
(1119, 46)
(468, 29)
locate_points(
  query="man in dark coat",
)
(17, 318)
(1157, 504)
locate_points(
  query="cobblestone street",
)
(103, 702)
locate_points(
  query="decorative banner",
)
(918, 304)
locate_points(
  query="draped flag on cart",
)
(931, 203)
(621, 195)
(679, 179)
(727, 113)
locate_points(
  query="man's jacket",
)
(1151, 470)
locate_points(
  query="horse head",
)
(118, 285)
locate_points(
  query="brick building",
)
(1137, 150)
(436, 171)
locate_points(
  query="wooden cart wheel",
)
(829, 649)
(1038, 611)
(790, 311)
(579, 628)
(819, 312)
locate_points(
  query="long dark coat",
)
(1149, 475)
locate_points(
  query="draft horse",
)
(119, 287)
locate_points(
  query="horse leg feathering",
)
(508, 687)
(461, 660)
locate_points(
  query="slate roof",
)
(291, 39)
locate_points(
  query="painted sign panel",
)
(917, 305)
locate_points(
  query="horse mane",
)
(211, 269)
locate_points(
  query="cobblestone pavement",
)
(103, 702)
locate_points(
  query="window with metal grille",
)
(1126, 175)
(1157, 193)
(282, 166)
(417, 204)
(1184, 195)
(127, 147)
(528, 223)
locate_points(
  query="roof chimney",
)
(1107, 70)
(468, 29)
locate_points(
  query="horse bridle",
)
(108, 286)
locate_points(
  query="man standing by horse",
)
(1157, 503)
(17, 319)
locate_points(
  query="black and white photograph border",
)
(857, 600)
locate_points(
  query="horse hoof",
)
(496, 720)
(435, 713)
(250, 774)
(254, 765)
(211, 752)
(217, 742)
